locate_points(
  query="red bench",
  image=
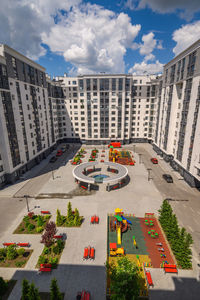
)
(92, 253)
(149, 279)
(86, 253)
(83, 187)
(23, 244)
(8, 244)
(96, 219)
(85, 295)
(58, 236)
(45, 269)
(92, 221)
(45, 212)
(170, 268)
(45, 265)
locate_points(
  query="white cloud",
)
(145, 68)
(22, 23)
(149, 57)
(93, 39)
(129, 4)
(187, 8)
(149, 44)
(185, 36)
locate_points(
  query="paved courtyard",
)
(74, 274)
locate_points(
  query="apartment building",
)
(25, 120)
(177, 132)
(101, 108)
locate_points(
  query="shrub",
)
(39, 229)
(47, 237)
(70, 216)
(40, 221)
(42, 259)
(11, 252)
(33, 293)
(55, 293)
(53, 261)
(21, 251)
(25, 289)
(47, 217)
(46, 250)
(56, 250)
(21, 229)
(19, 264)
(3, 252)
(60, 245)
(59, 219)
(34, 217)
(26, 218)
(31, 227)
(27, 224)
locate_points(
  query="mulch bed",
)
(152, 248)
(21, 258)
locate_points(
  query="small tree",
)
(33, 293)
(55, 292)
(3, 286)
(125, 280)
(70, 216)
(77, 219)
(11, 252)
(59, 219)
(47, 237)
(40, 221)
(25, 289)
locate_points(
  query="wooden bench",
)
(149, 279)
(23, 244)
(45, 212)
(8, 244)
(170, 268)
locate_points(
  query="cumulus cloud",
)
(145, 68)
(92, 38)
(185, 36)
(185, 7)
(22, 23)
(129, 4)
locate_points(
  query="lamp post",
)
(26, 197)
(140, 158)
(52, 173)
(149, 173)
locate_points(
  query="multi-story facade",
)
(25, 127)
(103, 107)
(177, 136)
(36, 112)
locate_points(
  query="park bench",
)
(8, 244)
(45, 265)
(149, 279)
(58, 237)
(170, 268)
(92, 253)
(96, 219)
(45, 212)
(45, 268)
(83, 187)
(86, 253)
(23, 244)
(92, 221)
(115, 187)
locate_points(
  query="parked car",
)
(154, 160)
(59, 152)
(168, 178)
(53, 159)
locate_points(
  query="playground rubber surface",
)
(152, 248)
(127, 238)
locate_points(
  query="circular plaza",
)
(92, 173)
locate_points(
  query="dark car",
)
(168, 178)
(53, 159)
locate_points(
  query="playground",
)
(122, 157)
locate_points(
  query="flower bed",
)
(32, 224)
(51, 255)
(11, 257)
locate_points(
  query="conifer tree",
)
(55, 292)
(59, 220)
(25, 289)
(33, 293)
(70, 216)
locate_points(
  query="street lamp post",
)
(52, 173)
(149, 173)
(140, 158)
(26, 197)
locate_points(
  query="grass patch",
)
(18, 262)
(52, 254)
(32, 225)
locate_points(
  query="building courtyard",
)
(140, 194)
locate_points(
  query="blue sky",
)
(115, 36)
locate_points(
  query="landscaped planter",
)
(31, 225)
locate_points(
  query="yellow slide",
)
(119, 241)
